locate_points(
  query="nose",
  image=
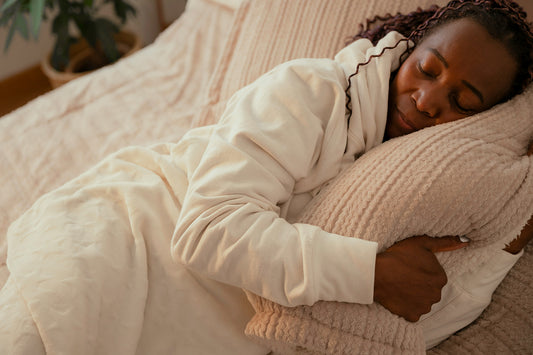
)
(427, 101)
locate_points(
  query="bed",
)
(184, 79)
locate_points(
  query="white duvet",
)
(91, 271)
(149, 97)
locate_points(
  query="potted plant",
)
(98, 40)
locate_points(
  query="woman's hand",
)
(409, 278)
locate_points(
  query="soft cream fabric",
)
(470, 177)
(90, 269)
(232, 4)
(149, 97)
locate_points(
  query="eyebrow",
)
(474, 90)
(466, 83)
(439, 56)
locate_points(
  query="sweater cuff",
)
(344, 268)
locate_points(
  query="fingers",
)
(408, 278)
(448, 243)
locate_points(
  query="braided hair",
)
(505, 21)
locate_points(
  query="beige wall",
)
(23, 54)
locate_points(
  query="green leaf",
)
(10, 35)
(36, 15)
(21, 25)
(5, 17)
(122, 9)
(60, 53)
(60, 23)
(88, 31)
(7, 4)
(130, 9)
(105, 30)
(60, 58)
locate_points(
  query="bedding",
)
(149, 97)
(184, 79)
(471, 177)
(232, 4)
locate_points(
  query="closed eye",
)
(459, 108)
(426, 73)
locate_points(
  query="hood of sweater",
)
(369, 89)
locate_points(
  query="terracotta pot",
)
(81, 54)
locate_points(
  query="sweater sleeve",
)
(270, 137)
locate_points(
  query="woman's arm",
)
(274, 133)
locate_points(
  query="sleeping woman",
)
(149, 251)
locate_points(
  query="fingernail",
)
(464, 239)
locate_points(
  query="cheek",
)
(405, 78)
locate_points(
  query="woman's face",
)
(455, 72)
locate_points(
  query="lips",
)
(398, 124)
(404, 122)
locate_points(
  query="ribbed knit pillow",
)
(266, 33)
(470, 177)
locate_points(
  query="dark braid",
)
(505, 21)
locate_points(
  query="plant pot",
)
(81, 54)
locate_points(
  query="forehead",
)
(473, 55)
